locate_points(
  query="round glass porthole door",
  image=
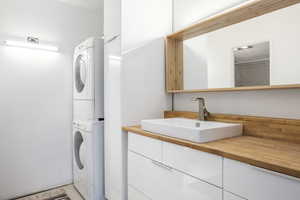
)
(78, 150)
(80, 73)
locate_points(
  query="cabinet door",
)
(229, 196)
(190, 188)
(145, 146)
(147, 177)
(115, 141)
(161, 182)
(256, 183)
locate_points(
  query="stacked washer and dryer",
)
(88, 119)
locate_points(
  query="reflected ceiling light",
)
(243, 48)
(31, 43)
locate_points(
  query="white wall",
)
(276, 103)
(187, 12)
(36, 99)
(144, 20)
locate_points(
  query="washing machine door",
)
(80, 73)
(79, 150)
(79, 164)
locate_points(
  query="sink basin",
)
(193, 130)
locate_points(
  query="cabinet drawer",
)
(134, 194)
(205, 166)
(160, 182)
(146, 146)
(256, 183)
(229, 196)
(148, 177)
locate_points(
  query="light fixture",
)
(31, 43)
(243, 48)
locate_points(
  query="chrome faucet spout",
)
(203, 113)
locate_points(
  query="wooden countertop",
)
(275, 155)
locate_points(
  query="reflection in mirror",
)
(252, 65)
(218, 59)
(195, 63)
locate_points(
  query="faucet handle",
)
(206, 113)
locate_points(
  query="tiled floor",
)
(57, 194)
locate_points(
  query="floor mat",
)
(59, 197)
(62, 193)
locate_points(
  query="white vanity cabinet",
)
(152, 176)
(161, 171)
(255, 183)
(161, 182)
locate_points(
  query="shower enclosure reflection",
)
(252, 65)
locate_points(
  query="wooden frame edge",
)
(273, 87)
(237, 14)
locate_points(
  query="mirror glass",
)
(252, 65)
(259, 52)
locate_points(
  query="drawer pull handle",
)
(159, 164)
(276, 173)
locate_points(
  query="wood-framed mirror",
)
(255, 46)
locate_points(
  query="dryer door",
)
(83, 76)
(80, 73)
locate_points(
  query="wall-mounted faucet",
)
(203, 113)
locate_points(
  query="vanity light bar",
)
(31, 45)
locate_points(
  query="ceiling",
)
(87, 4)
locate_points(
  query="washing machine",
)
(88, 77)
(88, 159)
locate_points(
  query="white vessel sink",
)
(193, 130)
